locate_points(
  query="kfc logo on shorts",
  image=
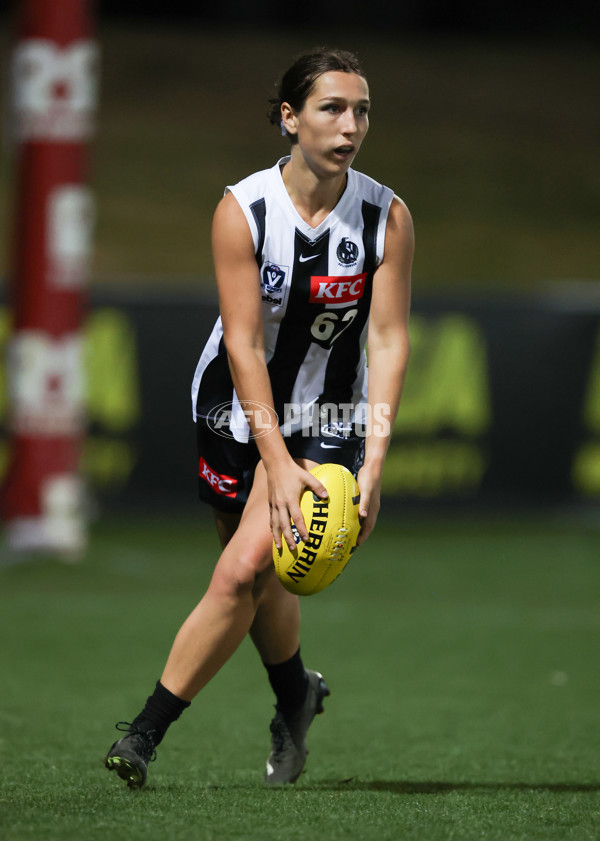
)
(337, 290)
(221, 484)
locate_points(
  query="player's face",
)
(333, 122)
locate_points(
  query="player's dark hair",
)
(299, 80)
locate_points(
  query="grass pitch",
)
(463, 663)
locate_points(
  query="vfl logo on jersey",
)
(347, 252)
(339, 290)
(272, 283)
(221, 484)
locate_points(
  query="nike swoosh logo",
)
(331, 446)
(304, 259)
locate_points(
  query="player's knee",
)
(242, 574)
(247, 571)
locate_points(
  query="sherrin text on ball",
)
(333, 528)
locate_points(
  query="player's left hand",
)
(369, 483)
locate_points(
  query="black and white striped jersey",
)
(315, 285)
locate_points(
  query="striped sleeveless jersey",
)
(315, 285)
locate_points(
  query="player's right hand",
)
(286, 481)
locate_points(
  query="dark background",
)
(485, 121)
(489, 16)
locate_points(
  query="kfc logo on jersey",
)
(343, 289)
(221, 484)
(272, 283)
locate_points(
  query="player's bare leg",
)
(244, 595)
(217, 626)
(205, 641)
(276, 628)
(275, 633)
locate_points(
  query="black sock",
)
(162, 709)
(289, 682)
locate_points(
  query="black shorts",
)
(226, 467)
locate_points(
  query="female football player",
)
(312, 260)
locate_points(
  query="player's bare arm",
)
(237, 276)
(389, 349)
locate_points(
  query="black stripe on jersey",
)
(259, 211)
(345, 353)
(311, 257)
(216, 385)
(370, 215)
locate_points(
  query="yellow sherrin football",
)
(333, 528)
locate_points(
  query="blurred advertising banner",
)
(54, 72)
(501, 405)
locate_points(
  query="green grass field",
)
(462, 657)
